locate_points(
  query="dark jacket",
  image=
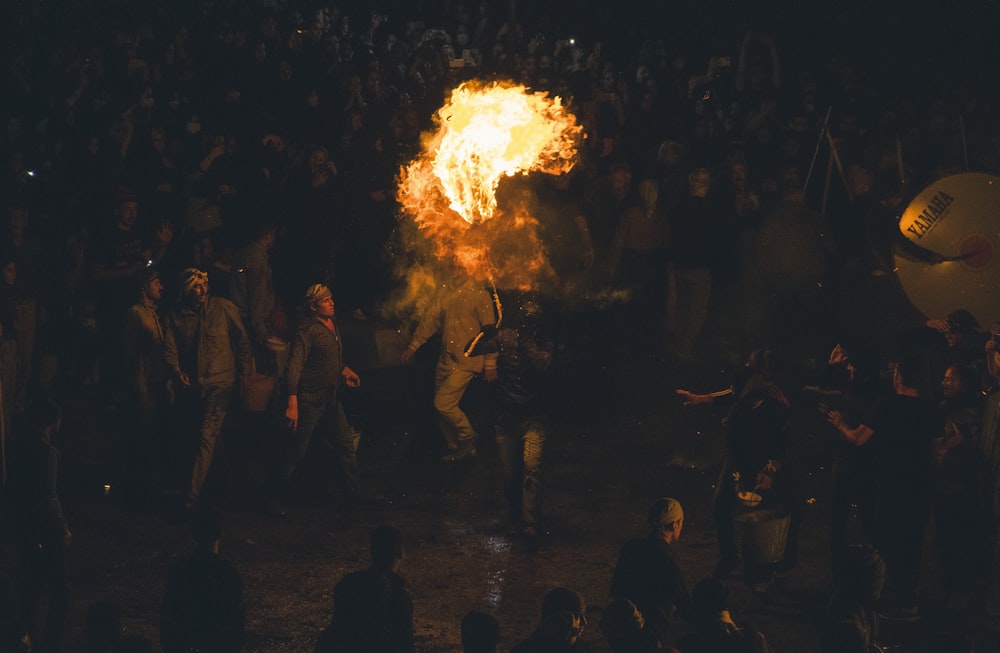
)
(524, 362)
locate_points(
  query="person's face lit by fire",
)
(671, 532)
(158, 137)
(9, 273)
(127, 213)
(318, 159)
(738, 174)
(197, 294)
(154, 289)
(18, 222)
(952, 384)
(324, 308)
(620, 181)
(955, 338)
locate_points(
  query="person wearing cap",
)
(648, 575)
(458, 312)
(965, 344)
(145, 385)
(314, 376)
(206, 348)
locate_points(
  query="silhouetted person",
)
(625, 629)
(203, 608)
(145, 387)
(38, 527)
(564, 617)
(712, 627)
(372, 609)
(480, 632)
(757, 446)
(899, 432)
(648, 575)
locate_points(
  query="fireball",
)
(484, 133)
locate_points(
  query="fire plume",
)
(485, 132)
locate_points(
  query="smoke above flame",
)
(486, 132)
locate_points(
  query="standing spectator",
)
(206, 348)
(966, 343)
(8, 384)
(900, 430)
(203, 607)
(694, 228)
(117, 254)
(145, 388)
(457, 312)
(35, 519)
(648, 575)
(11, 364)
(252, 290)
(313, 379)
(603, 206)
(372, 609)
(960, 515)
(853, 374)
(757, 444)
(638, 262)
(27, 255)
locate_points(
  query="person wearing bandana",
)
(206, 348)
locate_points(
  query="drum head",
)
(957, 217)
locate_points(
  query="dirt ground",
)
(619, 439)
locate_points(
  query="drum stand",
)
(833, 160)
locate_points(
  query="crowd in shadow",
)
(740, 163)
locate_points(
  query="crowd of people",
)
(186, 187)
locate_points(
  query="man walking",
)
(314, 376)
(205, 347)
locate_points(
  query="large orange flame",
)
(485, 132)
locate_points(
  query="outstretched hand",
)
(692, 399)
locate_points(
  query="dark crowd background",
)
(222, 119)
(221, 115)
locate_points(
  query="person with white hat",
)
(314, 376)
